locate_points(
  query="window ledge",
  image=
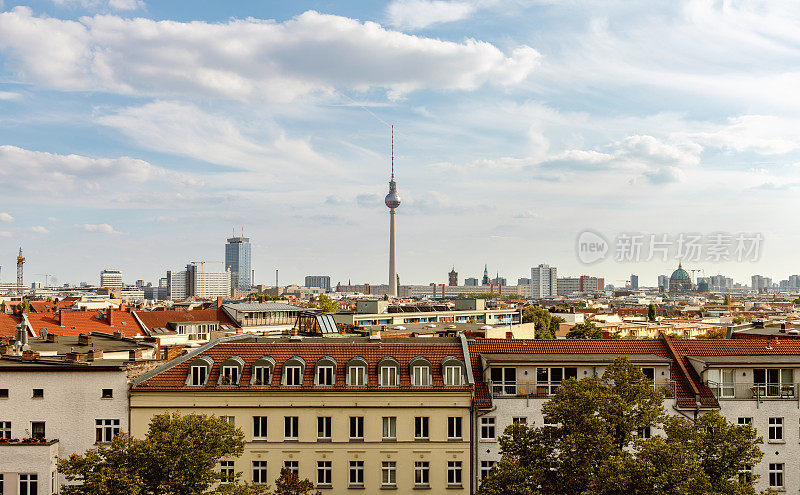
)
(389, 439)
(422, 487)
(455, 487)
(356, 487)
(422, 439)
(777, 441)
(324, 486)
(455, 439)
(388, 487)
(357, 440)
(324, 440)
(294, 440)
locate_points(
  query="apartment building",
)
(355, 415)
(464, 311)
(749, 381)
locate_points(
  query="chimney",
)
(51, 337)
(75, 357)
(84, 308)
(110, 317)
(604, 334)
(172, 352)
(84, 339)
(30, 355)
(118, 335)
(374, 335)
(135, 355)
(219, 301)
(95, 354)
(61, 318)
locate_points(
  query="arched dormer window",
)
(230, 371)
(293, 369)
(388, 372)
(453, 371)
(262, 371)
(357, 372)
(421, 371)
(325, 372)
(199, 371)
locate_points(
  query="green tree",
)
(242, 488)
(24, 306)
(555, 321)
(540, 317)
(288, 483)
(324, 303)
(587, 330)
(651, 312)
(178, 456)
(727, 300)
(595, 446)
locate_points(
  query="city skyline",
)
(518, 126)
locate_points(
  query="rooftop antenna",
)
(392, 151)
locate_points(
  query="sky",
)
(138, 134)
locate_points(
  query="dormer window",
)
(453, 371)
(199, 375)
(420, 372)
(325, 375)
(721, 381)
(389, 372)
(262, 371)
(293, 372)
(199, 371)
(357, 372)
(231, 371)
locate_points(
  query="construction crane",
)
(20, 262)
(46, 277)
(695, 270)
(202, 264)
(627, 283)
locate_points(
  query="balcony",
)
(755, 391)
(537, 390)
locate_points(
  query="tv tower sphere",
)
(392, 199)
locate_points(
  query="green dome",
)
(679, 274)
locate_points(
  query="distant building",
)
(176, 285)
(523, 281)
(663, 283)
(471, 281)
(237, 261)
(485, 279)
(452, 277)
(544, 281)
(760, 283)
(321, 281)
(110, 278)
(206, 283)
(584, 283)
(634, 282)
(680, 281)
(498, 280)
(794, 281)
(140, 283)
(720, 283)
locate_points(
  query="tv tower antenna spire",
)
(392, 202)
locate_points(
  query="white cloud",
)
(9, 96)
(247, 59)
(126, 4)
(5, 233)
(5, 217)
(39, 229)
(665, 175)
(418, 14)
(103, 228)
(103, 4)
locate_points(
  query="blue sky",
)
(136, 134)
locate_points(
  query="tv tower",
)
(392, 201)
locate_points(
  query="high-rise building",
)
(176, 285)
(471, 282)
(392, 201)
(544, 281)
(452, 278)
(760, 283)
(663, 283)
(498, 280)
(237, 261)
(485, 279)
(634, 282)
(207, 284)
(794, 281)
(523, 281)
(110, 278)
(321, 281)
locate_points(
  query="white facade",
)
(544, 281)
(110, 278)
(70, 405)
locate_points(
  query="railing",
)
(528, 389)
(755, 391)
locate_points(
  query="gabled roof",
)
(8, 324)
(162, 319)
(74, 322)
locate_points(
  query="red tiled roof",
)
(175, 378)
(48, 306)
(85, 322)
(8, 324)
(160, 319)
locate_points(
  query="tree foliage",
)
(542, 320)
(288, 483)
(596, 446)
(651, 312)
(587, 330)
(325, 304)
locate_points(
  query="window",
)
(230, 375)
(356, 427)
(291, 426)
(454, 428)
(261, 375)
(644, 432)
(487, 428)
(293, 467)
(744, 421)
(519, 420)
(29, 484)
(774, 382)
(324, 428)
(356, 375)
(259, 427)
(504, 381)
(421, 428)
(294, 376)
(422, 473)
(775, 475)
(3, 393)
(260, 472)
(775, 429)
(486, 468)
(53, 484)
(388, 376)
(38, 393)
(649, 373)
(5, 430)
(199, 375)
(421, 376)
(107, 393)
(389, 428)
(388, 473)
(231, 420)
(721, 382)
(227, 473)
(746, 475)
(452, 376)
(105, 429)
(37, 429)
(325, 376)
(356, 473)
(453, 472)
(549, 379)
(324, 473)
